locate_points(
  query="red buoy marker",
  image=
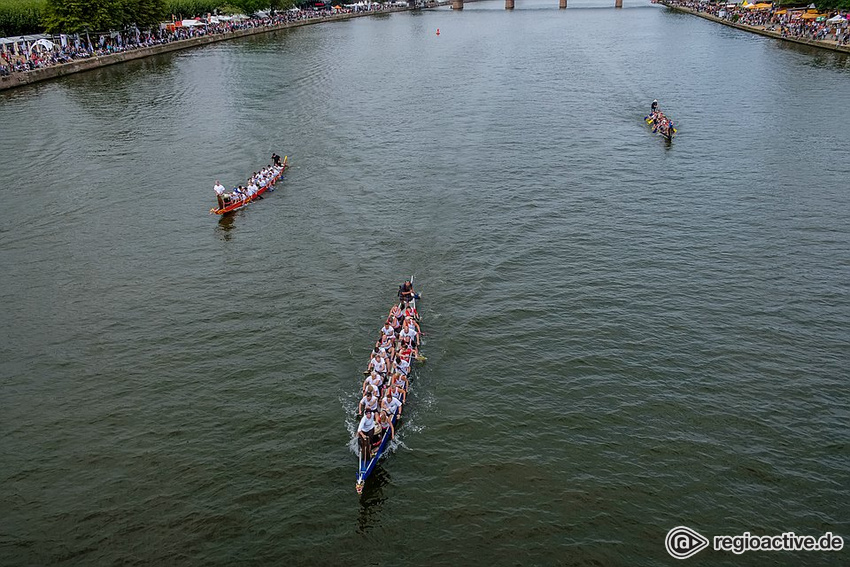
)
(438, 31)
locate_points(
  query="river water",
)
(623, 335)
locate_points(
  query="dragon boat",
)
(367, 460)
(230, 202)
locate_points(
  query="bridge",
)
(509, 4)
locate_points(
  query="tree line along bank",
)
(23, 17)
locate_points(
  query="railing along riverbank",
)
(19, 79)
(761, 30)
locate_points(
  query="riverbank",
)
(831, 45)
(37, 75)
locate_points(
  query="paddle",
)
(419, 357)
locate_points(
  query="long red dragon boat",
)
(232, 201)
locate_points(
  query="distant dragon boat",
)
(234, 200)
(368, 458)
(661, 124)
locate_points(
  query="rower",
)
(387, 330)
(369, 402)
(410, 312)
(398, 318)
(403, 361)
(400, 381)
(399, 394)
(379, 365)
(219, 193)
(364, 434)
(408, 336)
(389, 404)
(373, 382)
(382, 423)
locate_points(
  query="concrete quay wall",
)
(821, 44)
(46, 73)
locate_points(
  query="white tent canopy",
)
(45, 43)
(191, 23)
(837, 20)
(22, 39)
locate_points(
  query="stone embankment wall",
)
(28, 77)
(822, 44)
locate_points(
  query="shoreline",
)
(47, 73)
(760, 31)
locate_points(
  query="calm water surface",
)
(623, 335)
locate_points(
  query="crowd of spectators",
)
(801, 23)
(27, 56)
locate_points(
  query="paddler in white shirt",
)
(374, 381)
(390, 404)
(387, 330)
(379, 365)
(369, 401)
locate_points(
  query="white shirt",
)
(374, 381)
(219, 189)
(369, 404)
(391, 406)
(401, 382)
(366, 424)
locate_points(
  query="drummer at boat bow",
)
(405, 292)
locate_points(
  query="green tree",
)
(77, 15)
(250, 6)
(73, 16)
(144, 13)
